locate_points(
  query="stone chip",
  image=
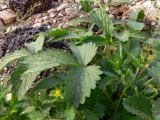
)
(8, 16)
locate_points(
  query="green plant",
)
(112, 75)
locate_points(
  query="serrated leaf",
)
(79, 83)
(69, 113)
(27, 80)
(37, 45)
(154, 70)
(135, 25)
(48, 59)
(21, 82)
(156, 109)
(13, 56)
(102, 20)
(138, 105)
(84, 53)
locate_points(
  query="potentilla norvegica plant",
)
(113, 75)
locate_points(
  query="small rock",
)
(147, 4)
(73, 11)
(60, 14)
(52, 15)
(39, 16)
(8, 16)
(37, 25)
(4, 6)
(51, 10)
(153, 23)
(45, 18)
(62, 6)
(48, 26)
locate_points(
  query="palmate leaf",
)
(22, 82)
(102, 20)
(34, 64)
(79, 83)
(27, 80)
(156, 109)
(138, 105)
(47, 59)
(37, 45)
(14, 56)
(84, 53)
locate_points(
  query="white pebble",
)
(45, 18)
(61, 7)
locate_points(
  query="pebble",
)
(51, 10)
(147, 4)
(62, 6)
(8, 16)
(60, 14)
(73, 11)
(153, 23)
(37, 25)
(45, 18)
(39, 15)
(52, 15)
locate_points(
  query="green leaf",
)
(69, 113)
(50, 81)
(86, 5)
(13, 56)
(56, 32)
(27, 80)
(138, 105)
(102, 20)
(21, 82)
(37, 45)
(33, 114)
(48, 59)
(154, 70)
(98, 40)
(84, 53)
(123, 36)
(156, 109)
(90, 115)
(135, 25)
(70, 36)
(138, 15)
(79, 83)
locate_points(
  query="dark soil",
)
(16, 39)
(23, 6)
